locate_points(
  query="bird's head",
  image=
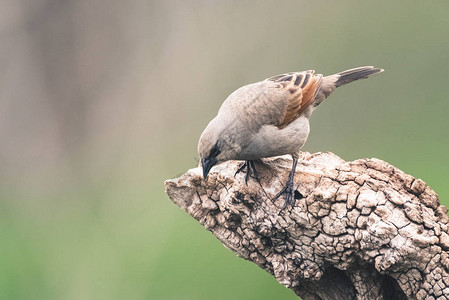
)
(215, 146)
(209, 157)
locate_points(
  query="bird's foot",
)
(250, 168)
(290, 194)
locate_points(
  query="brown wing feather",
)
(302, 88)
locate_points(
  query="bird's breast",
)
(271, 141)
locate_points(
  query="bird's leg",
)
(288, 189)
(250, 168)
(242, 167)
(253, 166)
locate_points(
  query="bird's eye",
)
(214, 151)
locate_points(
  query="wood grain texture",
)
(364, 229)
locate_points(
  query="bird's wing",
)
(301, 89)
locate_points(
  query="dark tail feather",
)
(356, 74)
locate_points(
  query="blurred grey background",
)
(101, 101)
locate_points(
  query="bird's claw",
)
(240, 169)
(290, 194)
(250, 168)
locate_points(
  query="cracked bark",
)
(364, 229)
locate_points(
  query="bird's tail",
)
(331, 82)
(355, 74)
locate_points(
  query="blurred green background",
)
(101, 101)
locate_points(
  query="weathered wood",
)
(364, 229)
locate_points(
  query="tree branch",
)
(364, 229)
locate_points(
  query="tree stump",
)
(358, 230)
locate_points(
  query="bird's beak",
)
(207, 164)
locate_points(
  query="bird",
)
(270, 118)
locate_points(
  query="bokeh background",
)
(101, 101)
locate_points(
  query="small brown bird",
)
(270, 118)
